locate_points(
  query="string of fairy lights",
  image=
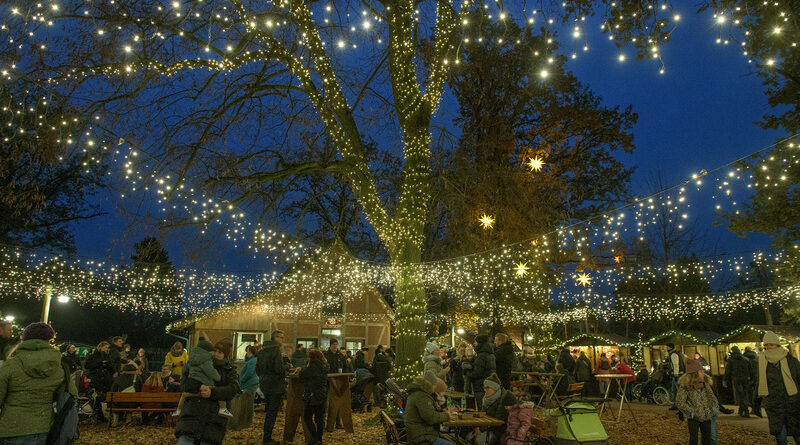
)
(223, 37)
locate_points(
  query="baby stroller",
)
(657, 388)
(398, 394)
(359, 400)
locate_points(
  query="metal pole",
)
(48, 294)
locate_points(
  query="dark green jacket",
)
(270, 369)
(421, 418)
(583, 369)
(28, 381)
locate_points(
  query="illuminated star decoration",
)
(535, 164)
(617, 259)
(521, 269)
(487, 222)
(584, 279)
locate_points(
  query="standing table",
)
(547, 381)
(294, 409)
(621, 385)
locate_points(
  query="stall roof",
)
(684, 337)
(599, 340)
(753, 333)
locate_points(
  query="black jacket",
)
(483, 365)
(315, 377)
(752, 358)
(781, 408)
(381, 367)
(299, 358)
(360, 361)
(335, 361)
(115, 356)
(270, 369)
(199, 417)
(125, 380)
(504, 361)
(737, 368)
(566, 360)
(456, 374)
(100, 370)
(72, 361)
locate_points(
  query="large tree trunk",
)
(410, 308)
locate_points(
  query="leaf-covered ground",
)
(657, 426)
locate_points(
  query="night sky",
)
(700, 114)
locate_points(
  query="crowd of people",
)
(215, 397)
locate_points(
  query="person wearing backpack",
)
(29, 380)
(603, 367)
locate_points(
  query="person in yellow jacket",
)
(176, 358)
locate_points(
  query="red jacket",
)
(623, 368)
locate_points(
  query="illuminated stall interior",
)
(595, 344)
(687, 342)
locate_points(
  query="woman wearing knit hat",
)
(496, 401)
(696, 401)
(28, 382)
(778, 380)
(433, 361)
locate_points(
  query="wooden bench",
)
(138, 398)
(573, 390)
(393, 436)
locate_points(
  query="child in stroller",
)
(656, 388)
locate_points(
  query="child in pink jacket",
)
(519, 422)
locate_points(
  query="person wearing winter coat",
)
(361, 359)
(737, 374)
(421, 418)
(101, 373)
(29, 379)
(456, 371)
(567, 361)
(755, 402)
(623, 368)
(272, 381)
(334, 358)
(504, 359)
(696, 401)
(433, 361)
(115, 352)
(128, 380)
(7, 340)
(583, 368)
(603, 367)
(778, 382)
(483, 365)
(176, 358)
(71, 359)
(242, 404)
(466, 368)
(518, 424)
(141, 362)
(315, 378)
(299, 356)
(381, 365)
(199, 370)
(199, 420)
(529, 360)
(495, 404)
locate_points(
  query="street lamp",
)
(9, 318)
(48, 295)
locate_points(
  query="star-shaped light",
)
(521, 269)
(487, 222)
(535, 164)
(617, 258)
(584, 279)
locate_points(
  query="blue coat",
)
(248, 379)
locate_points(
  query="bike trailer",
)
(578, 424)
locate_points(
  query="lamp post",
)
(48, 296)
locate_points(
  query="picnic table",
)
(470, 420)
(548, 381)
(622, 383)
(338, 405)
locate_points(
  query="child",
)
(200, 369)
(697, 402)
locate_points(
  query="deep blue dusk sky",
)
(698, 115)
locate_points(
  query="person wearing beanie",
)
(421, 418)
(737, 374)
(29, 379)
(495, 404)
(483, 365)
(199, 370)
(176, 358)
(696, 402)
(433, 361)
(201, 419)
(778, 382)
(71, 359)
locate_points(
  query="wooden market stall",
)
(687, 342)
(751, 335)
(595, 344)
(308, 307)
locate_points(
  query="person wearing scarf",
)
(496, 403)
(697, 403)
(778, 377)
